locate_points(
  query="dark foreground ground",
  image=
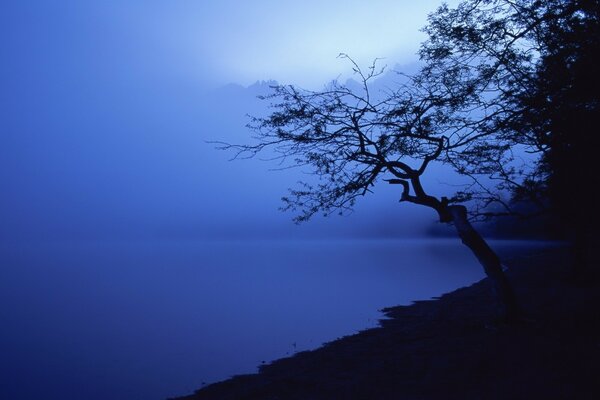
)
(452, 348)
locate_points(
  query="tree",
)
(536, 60)
(351, 139)
(495, 46)
(562, 112)
(466, 109)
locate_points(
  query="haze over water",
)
(153, 319)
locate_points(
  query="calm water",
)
(140, 320)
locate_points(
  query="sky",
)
(292, 42)
(213, 42)
(106, 108)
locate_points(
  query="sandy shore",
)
(453, 348)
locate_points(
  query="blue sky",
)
(106, 106)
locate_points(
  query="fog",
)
(105, 122)
(129, 157)
(129, 245)
(134, 161)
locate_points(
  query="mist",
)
(130, 159)
(108, 110)
(121, 220)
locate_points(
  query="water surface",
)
(149, 320)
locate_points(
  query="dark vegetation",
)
(560, 115)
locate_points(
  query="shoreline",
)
(452, 347)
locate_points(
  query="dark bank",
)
(454, 347)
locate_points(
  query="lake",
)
(150, 320)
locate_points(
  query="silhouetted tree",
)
(491, 49)
(534, 65)
(466, 108)
(562, 113)
(353, 138)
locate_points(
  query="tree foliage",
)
(487, 94)
(561, 115)
(496, 99)
(534, 64)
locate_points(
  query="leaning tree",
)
(459, 110)
(353, 138)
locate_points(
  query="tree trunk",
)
(507, 302)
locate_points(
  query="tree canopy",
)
(500, 94)
(491, 89)
(536, 60)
